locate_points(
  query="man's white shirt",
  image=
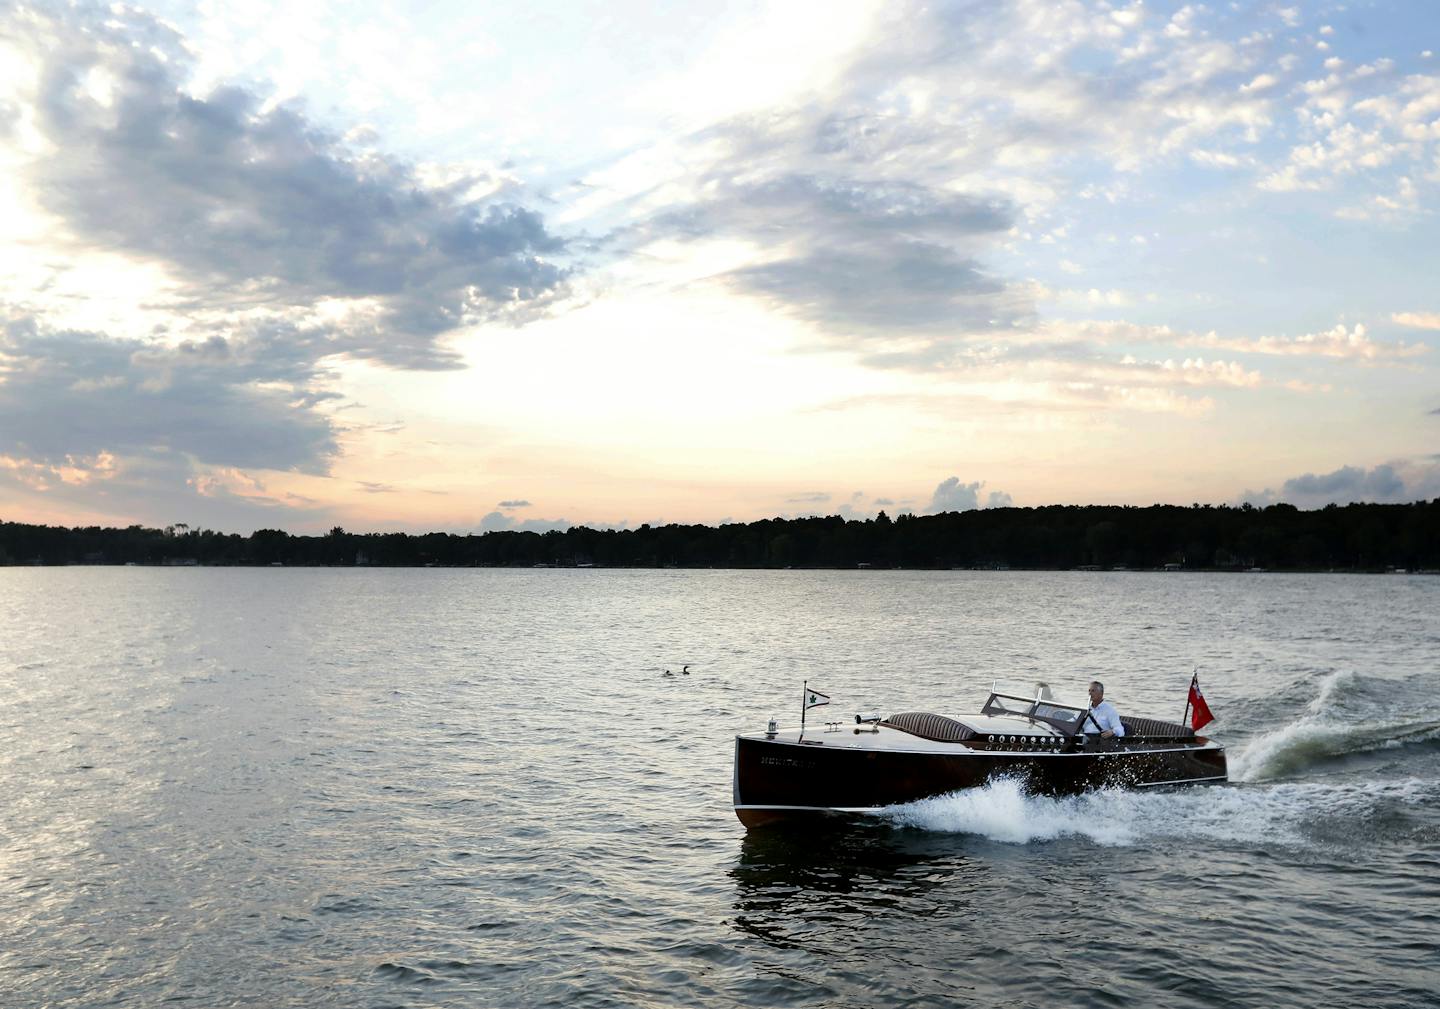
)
(1107, 717)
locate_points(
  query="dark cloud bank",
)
(242, 402)
(261, 214)
(861, 255)
(863, 258)
(256, 205)
(1388, 483)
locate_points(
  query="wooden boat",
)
(1025, 733)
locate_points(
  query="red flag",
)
(1199, 710)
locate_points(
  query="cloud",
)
(953, 496)
(900, 285)
(250, 203)
(498, 521)
(879, 207)
(1388, 483)
(1194, 371)
(1023, 401)
(855, 254)
(151, 432)
(513, 504)
(1367, 131)
(1261, 82)
(1417, 320)
(855, 510)
(1340, 342)
(852, 508)
(1380, 483)
(1070, 355)
(250, 401)
(841, 205)
(155, 489)
(1137, 399)
(263, 246)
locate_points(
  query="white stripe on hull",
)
(1182, 781)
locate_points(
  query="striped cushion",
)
(1156, 727)
(928, 726)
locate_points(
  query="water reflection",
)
(875, 912)
(849, 857)
(806, 881)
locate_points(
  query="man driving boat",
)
(1102, 714)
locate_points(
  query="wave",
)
(1323, 733)
(1330, 685)
(1003, 811)
(1310, 741)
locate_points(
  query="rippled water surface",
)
(413, 788)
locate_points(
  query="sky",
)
(463, 267)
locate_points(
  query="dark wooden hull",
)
(777, 780)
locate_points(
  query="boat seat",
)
(930, 726)
(1156, 727)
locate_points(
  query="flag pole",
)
(804, 693)
(1194, 676)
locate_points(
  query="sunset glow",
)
(465, 269)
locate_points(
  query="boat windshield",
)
(1041, 691)
(1035, 701)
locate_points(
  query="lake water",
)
(446, 787)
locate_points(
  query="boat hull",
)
(781, 780)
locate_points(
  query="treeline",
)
(1356, 537)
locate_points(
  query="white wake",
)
(1269, 814)
(1326, 728)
